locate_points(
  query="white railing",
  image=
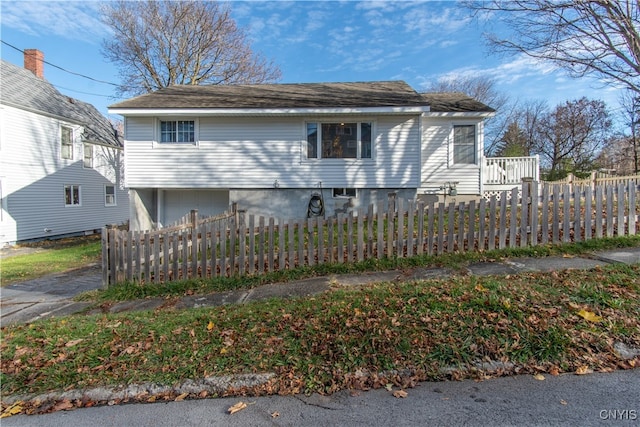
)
(510, 170)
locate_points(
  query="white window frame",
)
(158, 132)
(87, 162)
(75, 189)
(114, 202)
(343, 193)
(63, 144)
(452, 145)
(357, 140)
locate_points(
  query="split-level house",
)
(280, 149)
(61, 161)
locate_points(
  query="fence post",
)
(105, 257)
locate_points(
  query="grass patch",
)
(321, 343)
(133, 290)
(51, 257)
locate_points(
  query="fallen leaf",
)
(480, 288)
(589, 316)
(563, 402)
(223, 350)
(181, 397)
(567, 256)
(389, 387)
(400, 394)
(63, 405)
(539, 377)
(210, 326)
(574, 306)
(74, 342)
(275, 414)
(584, 370)
(554, 371)
(14, 409)
(237, 407)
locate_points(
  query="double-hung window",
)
(109, 195)
(88, 156)
(72, 195)
(339, 140)
(66, 143)
(464, 144)
(178, 131)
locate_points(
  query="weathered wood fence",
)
(239, 244)
(597, 179)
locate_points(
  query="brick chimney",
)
(34, 62)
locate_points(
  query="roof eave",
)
(190, 112)
(456, 114)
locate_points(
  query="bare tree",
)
(520, 137)
(482, 89)
(598, 37)
(570, 137)
(161, 43)
(623, 151)
(630, 103)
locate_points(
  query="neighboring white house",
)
(61, 161)
(272, 148)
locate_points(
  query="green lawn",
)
(555, 322)
(54, 257)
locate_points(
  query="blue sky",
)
(312, 41)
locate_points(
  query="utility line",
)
(60, 68)
(84, 93)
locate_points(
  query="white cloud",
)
(68, 19)
(430, 21)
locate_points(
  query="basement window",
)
(344, 192)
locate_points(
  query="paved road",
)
(610, 399)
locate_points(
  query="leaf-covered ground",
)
(370, 337)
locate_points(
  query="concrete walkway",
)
(52, 295)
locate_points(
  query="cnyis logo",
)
(619, 414)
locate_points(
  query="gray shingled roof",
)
(22, 89)
(302, 95)
(454, 102)
(291, 95)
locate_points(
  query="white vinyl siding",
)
(254, 152)
(35, 177)
(437, 156)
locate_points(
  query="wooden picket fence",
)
(597, 179)
(239, 244)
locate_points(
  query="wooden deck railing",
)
(510, 170)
